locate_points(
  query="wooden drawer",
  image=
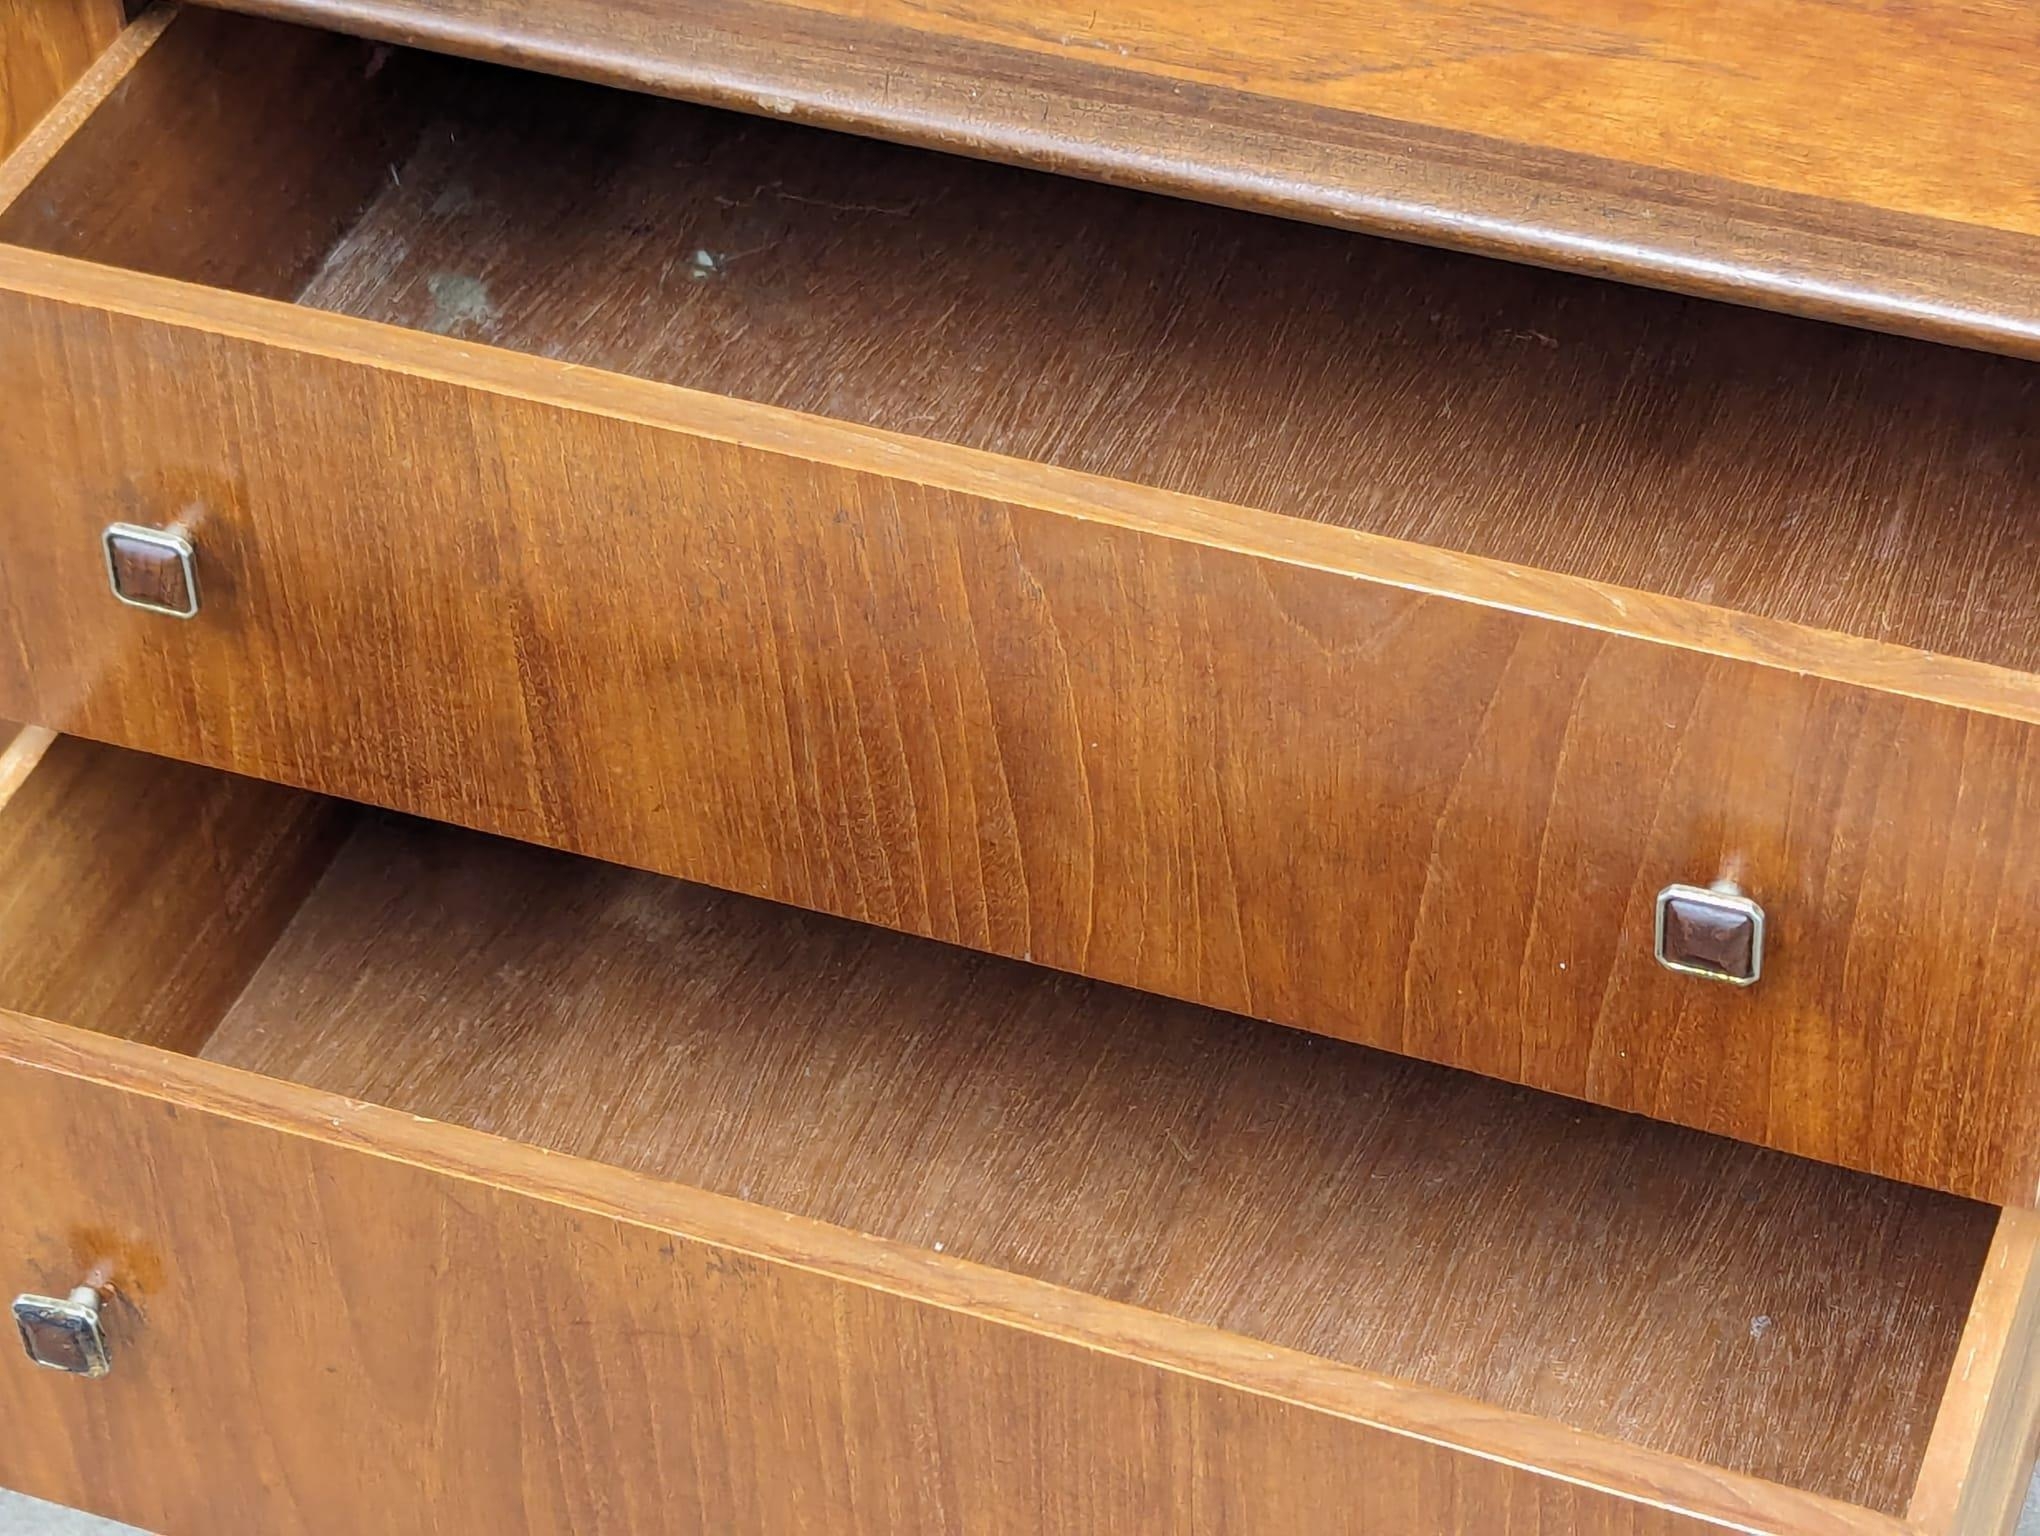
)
(450, 1184)
(1705, 154)
(1344, 634)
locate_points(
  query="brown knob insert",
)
(1710, 930)
(152, 568)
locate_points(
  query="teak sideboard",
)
(690, 681)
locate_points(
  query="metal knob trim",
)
(66, 1333)
(154, 569)
(1713, 931)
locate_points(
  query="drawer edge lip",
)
(1710, 235)
(1976, 1465)
(1783, 645)
(1659, 1480)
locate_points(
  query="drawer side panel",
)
(45, 45)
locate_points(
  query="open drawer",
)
(1350, 635)
(441, 1183)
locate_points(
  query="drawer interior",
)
(1671, 1290)
(1829, 477)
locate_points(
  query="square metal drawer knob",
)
(152, 568)
(64, 1333)
(1710, 930)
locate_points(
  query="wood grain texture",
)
(1673, 1290)
(1806, 473)
(1974, 1477)
(1411, 1483)
(247, 203)
(138, 895)
(45, 45)
(75, 108)
(1149, 740)
(1791, 154)
(669, 1360)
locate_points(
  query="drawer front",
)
(330, 1318)
(1280, 768)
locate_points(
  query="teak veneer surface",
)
(1112, 728)
(1801, 153)
(1678, 1291)
(887, 1380)
(894, 693)
(842, 685)
(258, 1174)
(1849, 482)
(671, 1361)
